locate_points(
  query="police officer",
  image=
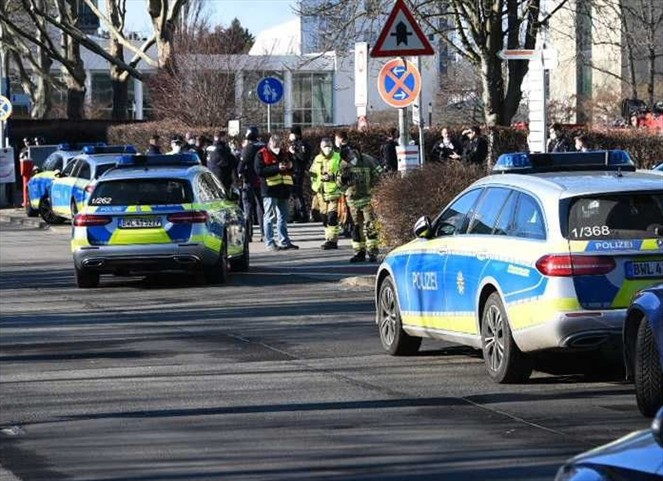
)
(251, 198)
(388, 151)
(300, 152)
(155, 145)
(324, 181)
(359, 174)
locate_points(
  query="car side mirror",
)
(233, 194)
(422, 228)
(657, 427)
(58, 174)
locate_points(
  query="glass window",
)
(206, 189)
(72, 167)
(53, 162)
(142, 192)
(453, 219)
(101, 169)
(620, 216)
(488, 210)
(503, 224)
(312, 98)
(528, 221)
(83, 171)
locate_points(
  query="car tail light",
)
(191, 217)
(568, 265)
(89, 220)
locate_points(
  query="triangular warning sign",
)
(401, 35)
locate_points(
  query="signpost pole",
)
(269, 118)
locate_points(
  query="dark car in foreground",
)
(635, 457)
(643, 347)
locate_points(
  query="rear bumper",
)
(573, 330)
(144, 259)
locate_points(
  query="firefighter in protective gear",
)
(359, 174)
(325, 182)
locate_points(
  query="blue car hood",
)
(637, 451)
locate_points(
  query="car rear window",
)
(142, 192)
(102, 169)
(616, 216)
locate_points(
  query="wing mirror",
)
(422, 228)
(233, 194)
(58, 173)
(657, 427)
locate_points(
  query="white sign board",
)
(408, 158)
(7, 171)
(233, 128)
(361, 74)
(537, 106)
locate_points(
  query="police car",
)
(545, 256)
(160, 213)
(59, 167)
(70, 188)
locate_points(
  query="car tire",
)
(46, 212)
(392, 336)
(505, 363)
(29, 211)
(647, 371)
(73, 208)
(86, 279)
(241, 264)
(218, 272)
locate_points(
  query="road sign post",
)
(361, 78)
(270, 91)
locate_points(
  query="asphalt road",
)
(278, 375)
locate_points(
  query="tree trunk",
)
(74, 79)
(493, 91)
(42, 102)
(119, 84)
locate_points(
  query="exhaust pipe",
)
(93, 262)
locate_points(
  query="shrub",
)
(400, 201)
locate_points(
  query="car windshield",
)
(142, 192)
(53, 162)
(616, 216)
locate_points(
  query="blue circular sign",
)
(270, 90)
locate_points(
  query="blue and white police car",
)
(159, 213)
(545, 256)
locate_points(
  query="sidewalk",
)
(16, 215)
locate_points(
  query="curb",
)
(34, 222)
(358, 281)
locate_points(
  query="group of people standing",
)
(271, 173)
(472, 147)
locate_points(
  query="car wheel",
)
(218, 272)
(241, 264)
(648, 377)
(46, 212)
(392, 336)
(73, 208)
(29, 211)
(86, 279)
(505, 363)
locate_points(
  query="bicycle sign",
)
(399, 83)
(270, 90)
(5, 108)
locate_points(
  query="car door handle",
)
(442, 250)
(482, 255)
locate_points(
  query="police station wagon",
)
(546, 255)
(159, 213)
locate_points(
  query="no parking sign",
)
(399, 83)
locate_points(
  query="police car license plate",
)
(644, 270)
(139, 222)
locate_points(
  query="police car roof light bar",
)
(164, 160)
(79, 146)
(528, 163)
(109, 149)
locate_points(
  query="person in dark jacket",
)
(557, 142)
(476, 148)
(300, 152)
(388, 155)
(251, 197)
(274, 166)
(155, 145)
(221, 161)
(446, 148)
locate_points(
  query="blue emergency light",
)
(163, 160)
(109, 149)
(82, 146)
(599, 160)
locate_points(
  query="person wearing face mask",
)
(359, 174)
(275, 169)
(324, 181)
(176, 144)
(300, 152)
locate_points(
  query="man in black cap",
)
(300, 151)
(251, 197)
